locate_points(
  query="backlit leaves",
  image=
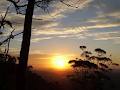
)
(92, 68)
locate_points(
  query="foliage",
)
(91, 69)
(20, 6)
(8, 69)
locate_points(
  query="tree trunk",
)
(22, 66)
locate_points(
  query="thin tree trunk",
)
(22, 66)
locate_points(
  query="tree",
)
(25, 46)
(91, 70)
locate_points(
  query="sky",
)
(60, 29)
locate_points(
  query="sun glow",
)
(59, 62)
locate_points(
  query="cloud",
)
(114, 36)
(105, 6)
(71, 31)
(115, 14)
(3, 5)
(117, 41)
(97, 20)
(39, 39)
(42, 24)
(58, 31)
(11, 50)
(107, 38)
(106, 25)
(14, 50)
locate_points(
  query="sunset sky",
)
(95, 23)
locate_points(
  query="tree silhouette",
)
(82, 47)
(4, 22)
(91, 70)
(100, 51)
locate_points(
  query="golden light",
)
(59, 62)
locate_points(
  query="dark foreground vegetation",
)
(90, 72)
(8, 69)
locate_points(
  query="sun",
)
(59, 62)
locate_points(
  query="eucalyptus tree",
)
(91, 69)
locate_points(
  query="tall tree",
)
(25, 46)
